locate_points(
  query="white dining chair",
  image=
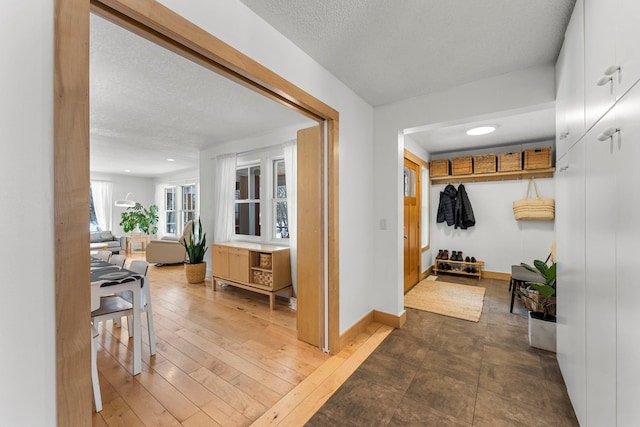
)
(118, 260)
(142, 267)
(104, 255)
(97, 396)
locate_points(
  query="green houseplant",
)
(141, 218)
(196, 246)
(542, 304)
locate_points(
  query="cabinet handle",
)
(607, 134)
(604, 80)
(611, 70)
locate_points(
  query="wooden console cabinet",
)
(265, 269)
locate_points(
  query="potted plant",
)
(140, 218)
(542, 304)
(196, 246)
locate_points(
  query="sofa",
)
(169, 249)
(99, 240)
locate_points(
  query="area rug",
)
(449, 299)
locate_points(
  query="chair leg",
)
(97, 397)
(151, 330)
(513, 293)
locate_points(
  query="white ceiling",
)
(148, 104)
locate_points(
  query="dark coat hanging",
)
(447, 205)
(463, 211)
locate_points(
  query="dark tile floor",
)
(442, 371)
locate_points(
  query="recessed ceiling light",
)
(171, 160)
(482, 130)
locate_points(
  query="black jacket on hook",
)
(463, 212)
(447, 205)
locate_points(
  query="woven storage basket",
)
(534, 209)
(462, 165)
(439, 168)
(537, 158)
(263, 278)
(484, 163)
(508, 162)
(265, 261)
(195, 273)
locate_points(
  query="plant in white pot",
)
(195, 268)
(542, 299)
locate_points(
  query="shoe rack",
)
(465, 268)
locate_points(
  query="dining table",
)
(109, 279)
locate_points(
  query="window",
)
(188, 203)
(281, 223)
(247, 204)
(170, 210)
(93, 221)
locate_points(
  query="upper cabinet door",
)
(600, 58)
(570, 84)
(612, 57)
(627, 37)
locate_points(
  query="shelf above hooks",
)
(497, 176)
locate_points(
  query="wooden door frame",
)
(71, 167)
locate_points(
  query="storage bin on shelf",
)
(537, 158)
(439, 167)
(509, 162)
(262, 278)
(484, 163)
(462, 165)
(265, 261)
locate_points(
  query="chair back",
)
(118, 260)
(139, 266)
(104, 255)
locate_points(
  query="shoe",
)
(467, 259)
(473, 259)
(454, 256)
(459, 256)
(439, 256)
(445, 254)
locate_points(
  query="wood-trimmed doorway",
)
(71, 167)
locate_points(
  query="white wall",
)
(238, 26)
(485, 98)
(142, 191)
(27, 359)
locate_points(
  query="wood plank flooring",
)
(223, 359)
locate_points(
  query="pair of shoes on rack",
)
(442, 254)
(472, 259)
(471, 269)
(456, 256)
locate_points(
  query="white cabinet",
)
(612, 60)
(626, 147)
(570, 84)
(570, 237)
(600, 259)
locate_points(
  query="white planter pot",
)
(542, 334)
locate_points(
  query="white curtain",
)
(162, 213)
(224, 198)
(291, 176)
(102, 203)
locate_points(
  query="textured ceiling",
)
(390, 50)
(149, 104)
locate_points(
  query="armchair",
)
(168, 250)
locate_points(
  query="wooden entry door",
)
(411, 224)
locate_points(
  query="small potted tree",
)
(541, 299)
(195, 268)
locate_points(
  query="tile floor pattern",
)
(442, 371)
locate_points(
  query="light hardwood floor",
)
(223, 359)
